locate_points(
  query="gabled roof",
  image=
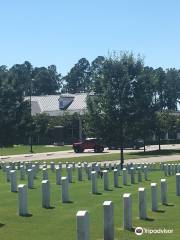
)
(50, 104)
(79, 102)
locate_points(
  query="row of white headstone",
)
(169, 169)
(46, 196)
(82, 217)
(46, 187)
(95, 166)
(94, 178)
(11, 175)
(32, 168)
(92, 175)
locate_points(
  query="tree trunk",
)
(122, 156)
(144, 141)
(121, 145)
(159, 142)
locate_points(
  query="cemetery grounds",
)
(59, 222)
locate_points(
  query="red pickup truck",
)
(91, 143)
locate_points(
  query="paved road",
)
(71, 154)
(52, 155)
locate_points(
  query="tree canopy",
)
(127, 100)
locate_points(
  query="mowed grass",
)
(115, 156)
(25, 149)
(60, 221)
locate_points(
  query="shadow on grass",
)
(109, 190)
(69, 202)
(160, 211)
(168, 205)
(156, 152)
(2, 225)
(27, 215)
(98, 193)
(132, 229)
(91, 152)
(51, 207)
(149, 219)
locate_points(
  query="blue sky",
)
(60, 32)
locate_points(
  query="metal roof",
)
(50, 104)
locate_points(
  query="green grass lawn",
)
(115, 156)
(60, 221)
(25, 149)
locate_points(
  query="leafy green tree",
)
(78, 79)
(160, 84)
(141, 125)
(46, 81)
(112, 107)
(12, 113)
(20, 76)
(164, 121)
(96, 71)
(172, 88)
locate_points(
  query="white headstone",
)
(22, 172)
(94, 182)
(73, 166)
(139, 174)
(8, 169)
(89, 172)
(30, 178)
(22, 196)
(79, 168)
(163, 191)
(142, 203)
(116, 175)
(169, 169)
(34, 170)
(146, 173)
(108, 220)
(127, 211)
(82, 225)
(69, 173)
(178, 184)
(13, 181)
(106, 180)
(58, 175)
(132, 172)
(124, 171)
(154, 196)
(52, 166)
(45, 194)
(65, 190)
